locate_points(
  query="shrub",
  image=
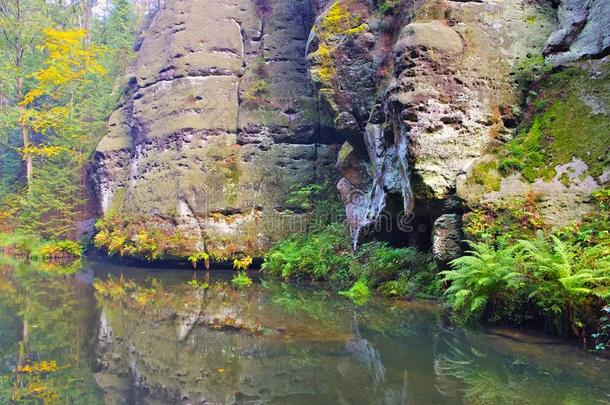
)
(35, 248)
(359, 292)
(195, 258)
(561, 279)
(317, 255)
(327, 255)
(18, 244)
(241, 280)
(479, 280)
(395, 288)
(140, 237)
(382, 262)
(243, 263)
(58, 250)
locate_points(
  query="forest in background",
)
(62, 74)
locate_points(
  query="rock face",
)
(219, 123)
(440, 94)
(234, 103)
(447, 238)
(431, 93)
(582, 31)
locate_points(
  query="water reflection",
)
(136, 336)
(46, 327)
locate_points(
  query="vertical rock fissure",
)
(243, 67)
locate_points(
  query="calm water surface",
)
(125, 335)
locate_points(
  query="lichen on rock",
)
(219, 123)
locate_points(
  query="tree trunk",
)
(25, 135)
(27, 157)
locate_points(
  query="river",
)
(127, 335)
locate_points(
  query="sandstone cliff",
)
(445, 94)
(446, 108)
(219, 122)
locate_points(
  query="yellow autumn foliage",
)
(41, 151)
(39, 367)
(243, 263)
(68, 62)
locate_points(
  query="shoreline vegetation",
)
(556, 282)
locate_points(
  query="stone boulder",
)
(447, 238)
(582, 31)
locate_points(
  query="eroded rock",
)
(219, 124)
(447, 238)
(582, 31)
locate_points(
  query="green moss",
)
(118, 201)
(356, 30)
(509, 165)
(432, 10)
(486, 174)
(518, 218)
(336, 23)
(564, 127)
(259, 88)
(346, 150)
(338, 20)
(388, 6)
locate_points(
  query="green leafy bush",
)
(359, 292)
(36, 248)
(317, 255)
(479, 280)
(195, 258)
(241, 280)
(58, 250)
(18, 244)
(560, 283)
(395, 288)
(327, 255)
(560, 278)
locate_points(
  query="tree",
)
(21, 23)
(55, 98)
(48, 107)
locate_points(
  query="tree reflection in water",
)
(46, 354)
(172, 338)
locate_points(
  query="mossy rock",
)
(568, 119)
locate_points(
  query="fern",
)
(562, 277)
(479, 279)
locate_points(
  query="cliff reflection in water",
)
(145, 336)
(213, 344)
